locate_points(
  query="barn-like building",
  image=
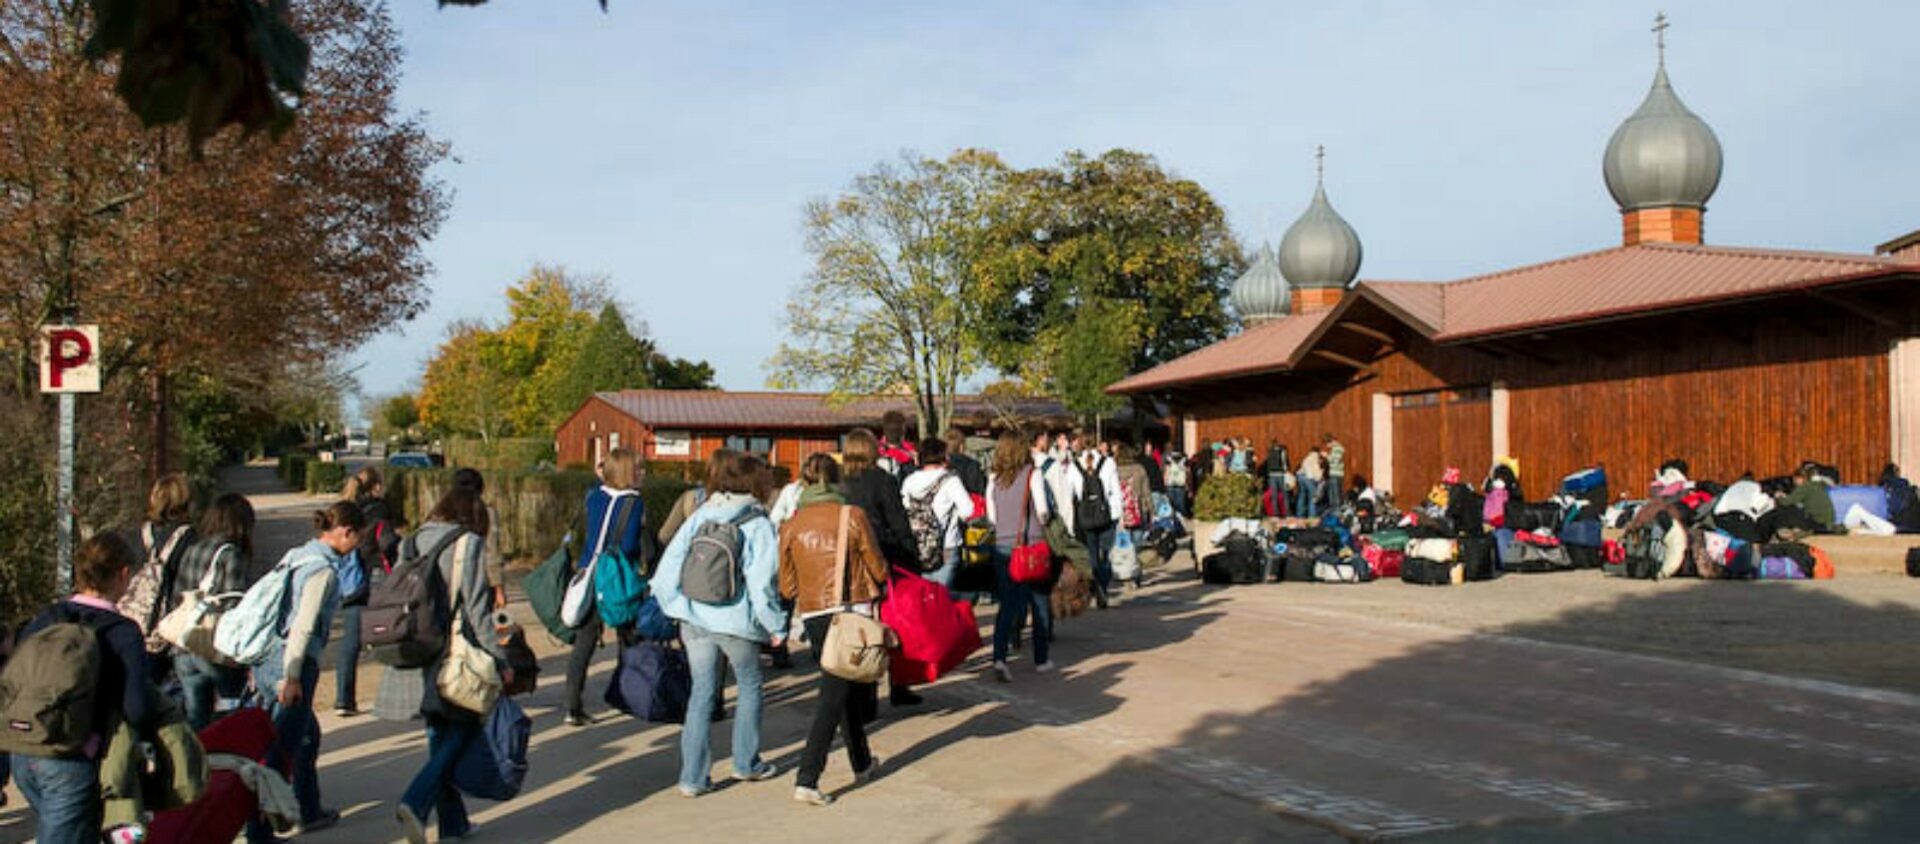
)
(1736, 359)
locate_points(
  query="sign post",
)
(69, 364)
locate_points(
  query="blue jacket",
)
(629, 535)
(756, 614)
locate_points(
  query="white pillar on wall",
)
(1383, 444)
(1190, 434)
(1502, 413)
(1903, 402)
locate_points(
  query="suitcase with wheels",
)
(1432, 572)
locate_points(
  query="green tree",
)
(464, 390)
(1095, 351)
(891, 304)
(397, 414)
(610, 358)
(549, 314)
(670, 373)
(1117, 228)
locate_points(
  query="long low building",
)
(689, 425)
(1736, 359)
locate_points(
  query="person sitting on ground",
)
(733, 631)
(823, 576)
(64, 791)
(1810, 495)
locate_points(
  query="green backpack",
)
(46, 691)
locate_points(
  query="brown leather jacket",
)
(809, 553)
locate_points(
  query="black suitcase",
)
(1236, 564)
(1430, 572)
(1913, 562)
(1297, 567)
(1480, 555)
(1522, 516)
(1583, 557)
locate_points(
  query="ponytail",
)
(339, 514)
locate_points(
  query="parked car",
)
(359, 444)
(410, 460)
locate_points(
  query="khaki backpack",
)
(46, 691)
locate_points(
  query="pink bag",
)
(1383, 562)
(1494, 512)
(936, 632)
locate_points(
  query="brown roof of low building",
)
(720, 410)
(1608, 284)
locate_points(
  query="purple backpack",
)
(1780, 568)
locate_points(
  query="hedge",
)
(325, 478)
(1227, 495)
(536, 509)
(293, 469)
(504, 454)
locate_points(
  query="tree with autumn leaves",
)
(225, 266)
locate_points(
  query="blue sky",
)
(671, 145)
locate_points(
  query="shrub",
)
(505, 454)
(293, 469)
(325, 478)
(1227, 495)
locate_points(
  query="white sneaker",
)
(692, 792)
(1045, 667)
(811, 796)
(410, 825)
(1002, 673)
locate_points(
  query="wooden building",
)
(1738, 360)
(689, 425)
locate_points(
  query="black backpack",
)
(406, 619)
(1090, 511)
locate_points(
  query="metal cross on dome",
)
(1660, 35)
(1320, 163)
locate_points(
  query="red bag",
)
(1032, 562)
(979, 506)
(1383, 562)
(221, 813)
(936, 632)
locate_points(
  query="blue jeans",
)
(1277, 482)
(1307, 503)
(65, 794)
(949, 563)
(1334, 489)
(1100, 547)
(1177, 496)
(432, 789)
(202, 684)
(296, 737)
(1016, 599)
(704, 651)
(346, 663)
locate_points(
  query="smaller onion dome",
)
(1320, 249)
(1663, 156)
(1262, 293)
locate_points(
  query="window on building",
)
(762, 446)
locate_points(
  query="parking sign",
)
(69, 359)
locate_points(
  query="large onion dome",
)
(1262, 293)
(1320, 249)
(1663, 156)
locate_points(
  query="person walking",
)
(733, 629)
(64, 790)
(866, 483)
(463, 515)
(164, 538)
(1336, 471)
(973, 476)
(217, 563)
(615, 519)
(830, 562)
(367, 491)
(495, 562)
(936, 499)
(292, 668)
(1098, 507)
(1135, 487)
(1018, 507)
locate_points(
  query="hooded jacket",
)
(756, 614)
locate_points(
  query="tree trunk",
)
(157, 463)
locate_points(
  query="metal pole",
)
(64, 500)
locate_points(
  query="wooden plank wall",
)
(1783, 391)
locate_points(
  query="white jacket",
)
(1061, 480)
(951, 505)
(1108, 472)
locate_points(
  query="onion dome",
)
(1262, 293)
(1320, 249)
(1663, 156)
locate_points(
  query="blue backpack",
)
(495, 765)
(618, 587)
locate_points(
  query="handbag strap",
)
(1026, 503)
(606, 522)
(213, 568)
(453, 587)
(840, 585)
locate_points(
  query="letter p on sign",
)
(69, 359)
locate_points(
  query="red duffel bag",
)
(225, 808)
(1383, 562)
(936, 632)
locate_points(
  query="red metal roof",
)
(1639, 279)
(1611, 283)
(1269, 346)
(719, 410)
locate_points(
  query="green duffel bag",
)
(1389, 540)
(546, 589)
(1068, 547)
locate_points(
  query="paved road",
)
(1294, 713)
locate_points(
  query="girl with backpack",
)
(164, 539)
(63, 785)
(614, 504)
(827, 569)
(937, 509)
(367, 491)
(216, 563)
(459, 526)
(291, 671)
(727, 543)
(1017, 505)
